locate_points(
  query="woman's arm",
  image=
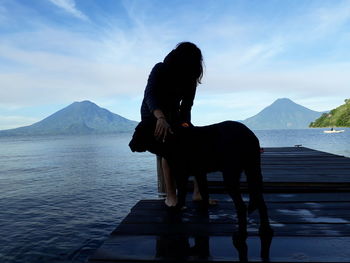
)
(150, 95)
(162, 126)
(186, 105)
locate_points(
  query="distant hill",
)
(282, 114)
(78, 118)
(338, 117)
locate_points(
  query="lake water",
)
(60, 197)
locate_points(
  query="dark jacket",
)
(169, 92)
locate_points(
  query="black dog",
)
(229, 147)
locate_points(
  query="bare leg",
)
(196, 194)
(170, 187)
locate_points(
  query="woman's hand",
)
(162, 129)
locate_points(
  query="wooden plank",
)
(224, 212)
(313, 218)
(307, 193)
(220, 249)
(151, 234)
(297, 169)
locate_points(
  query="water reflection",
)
(239, 240)
(184, 244)
(179, 248)
(266, 236)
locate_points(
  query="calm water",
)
(60, 197)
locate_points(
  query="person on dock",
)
(168, 100)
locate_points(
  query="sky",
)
(56, 52)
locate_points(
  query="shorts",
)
(143, 139)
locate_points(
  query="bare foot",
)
(213, 201)
(197, 197)
(170, 201)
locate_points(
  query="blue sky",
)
(55, 52)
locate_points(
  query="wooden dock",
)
(308, 195)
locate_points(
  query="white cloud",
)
(306, 81)
(243, 58)
(117, 64)
(10, 122)
(210, 107)
(98, 69)
(331, 18)
(69, 6)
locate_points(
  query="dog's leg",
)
(255, 188)
(181, 184)
(256, 201)
(202, 182)
(232, 182)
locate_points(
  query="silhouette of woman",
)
(167, 102)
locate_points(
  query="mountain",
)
(282, 114)
(78, 118)
(338, 117)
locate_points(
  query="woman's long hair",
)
(186, 60)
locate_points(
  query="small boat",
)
(333, 131)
